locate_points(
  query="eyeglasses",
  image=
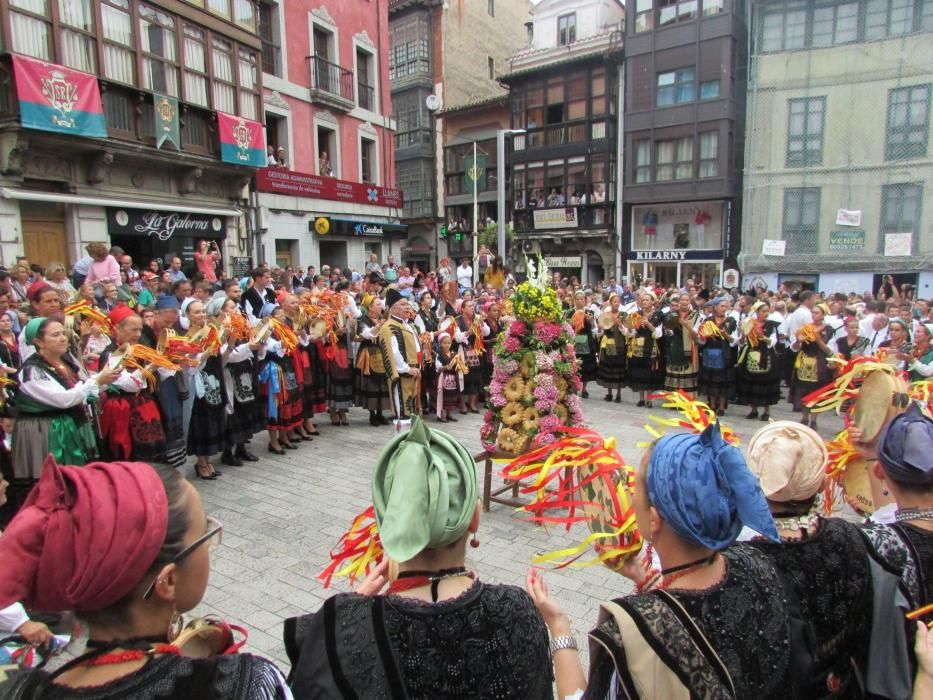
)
(213, 536)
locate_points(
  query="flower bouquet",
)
(535, 377)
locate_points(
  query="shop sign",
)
(365, 229)
(59, 99)
(678, 226)
(846, 240)
(556, 218)
(163, 225)
(671, 255)
(773, 247)
(297, 184)
(897, 244)
(848, 217)
(566, 261)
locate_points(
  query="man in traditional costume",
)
(401, 354)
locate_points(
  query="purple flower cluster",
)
(548, 423)
(545, 393)
(544, 361)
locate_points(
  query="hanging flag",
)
(242, 141)
(56, 98)
(166, 120)
(475, 171)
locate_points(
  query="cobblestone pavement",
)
(281, 515)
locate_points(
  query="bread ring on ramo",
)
(530, 422)
(514, 389)
(527, 365)
(513, 413)
(509, 440)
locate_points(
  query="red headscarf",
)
(120, 313)
(85, 536)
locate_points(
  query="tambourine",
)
(119, 356)
(317, 329)
(606, 320)
(881, 396)
(262, 332)
(748, 325)
(607, 500)
(862, 488)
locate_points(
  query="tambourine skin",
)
(880, 398)
(602, 505)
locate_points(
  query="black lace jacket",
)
(235, 677)
(489, 642)
(829, 575)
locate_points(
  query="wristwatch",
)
(564, 641)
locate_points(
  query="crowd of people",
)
(809, 604)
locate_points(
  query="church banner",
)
(59, 99)
(242, 141)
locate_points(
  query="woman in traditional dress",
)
(314, 388)
(128, 544)
(207, 434)
(301, 359)
(243, 409)
(9, 352)
(717, 367)
(824, 565)
(610, 372)
(714, 624)
(53, 405)
(898, 346)
(449, 380)
(426, 323)
(279, 388)
(339, 367)
(440, 631)
(130, 419)
(585, 345)
(920, 366)
(811, 370)
(492, 317)
(852, 344)
(372, 385)
(758, 379)
(905, 547)
(681, 355)
(644, 351)
(469, 339)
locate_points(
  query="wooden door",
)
(45, 242)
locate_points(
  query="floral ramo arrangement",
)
(535, 378)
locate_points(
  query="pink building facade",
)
(329, 195)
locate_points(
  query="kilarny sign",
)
(165, 225)
(661, 255)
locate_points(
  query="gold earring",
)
(175, 625)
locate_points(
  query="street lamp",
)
(500, 184)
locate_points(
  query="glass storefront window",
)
(678, 226)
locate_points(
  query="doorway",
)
(44, 237)
(333, 253)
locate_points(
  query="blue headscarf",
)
(703, 489)
(905, 447)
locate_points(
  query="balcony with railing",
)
(582, 218)
(574, 133)
(331, 84)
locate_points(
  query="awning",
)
(36, 196)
